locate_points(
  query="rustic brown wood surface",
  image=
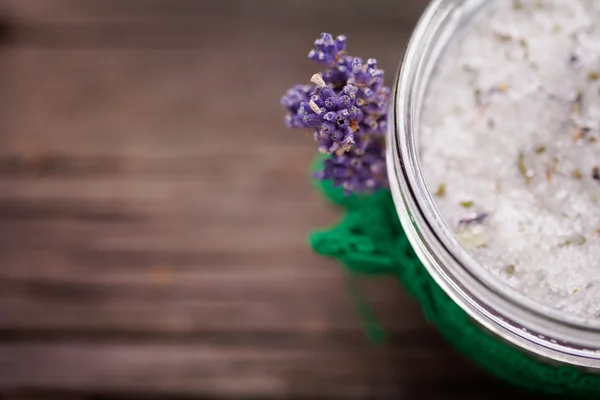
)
(154, 210)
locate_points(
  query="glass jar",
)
(531, 326)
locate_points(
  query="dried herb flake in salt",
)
(573, 58)
(505, 37)
(578, 240)
(577, 103)
(556, 162)
(525, 173)
(502, 88)
(478, 97)
(510, 269)
(467, 204)
(476, 219)
(540, 149)
(596, 173)
(441, 190)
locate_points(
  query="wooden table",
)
(154, 209)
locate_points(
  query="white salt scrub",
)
(510, 147)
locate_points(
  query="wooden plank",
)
(37, 395)
(271, 370)
(80, 11)
(195, 302)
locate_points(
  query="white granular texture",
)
(510, 127)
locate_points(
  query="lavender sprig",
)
(347, 111)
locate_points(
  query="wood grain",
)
(312, 369)
(154, 210)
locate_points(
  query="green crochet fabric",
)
(370, 240)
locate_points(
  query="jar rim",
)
(513, 316)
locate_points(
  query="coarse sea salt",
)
(510, 144)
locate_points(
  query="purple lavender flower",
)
(327, 51)
(347, 110)
(292, 100)
(357, 171)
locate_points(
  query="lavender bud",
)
(343, 114)
(344, 101)
(356, 65)
(330, 116)
(311, 120)
(327, 93)
(327, 127)
(371, 63)
(350, 90)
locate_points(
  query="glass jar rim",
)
(513, 316)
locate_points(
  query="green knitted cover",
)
(369, 240)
